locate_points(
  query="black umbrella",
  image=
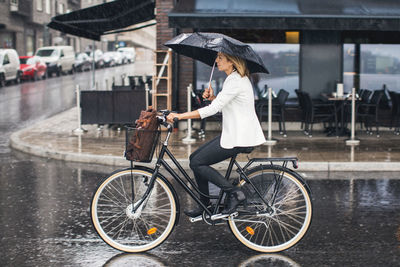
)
(204, 46)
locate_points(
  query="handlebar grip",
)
(176, 119)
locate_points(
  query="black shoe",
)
(234, 199)
(194, 212)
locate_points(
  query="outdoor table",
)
(341, 102)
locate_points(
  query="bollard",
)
(352, 141)
(188, 138)
(270, 141)
(79, 130)
(147, 89)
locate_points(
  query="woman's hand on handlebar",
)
(173, 117)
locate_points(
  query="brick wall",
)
(165, 33)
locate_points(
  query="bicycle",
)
(136, 209)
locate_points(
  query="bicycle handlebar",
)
(163, 119)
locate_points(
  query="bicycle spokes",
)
(136, 225)
(280, 224)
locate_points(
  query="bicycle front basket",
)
(140, 144)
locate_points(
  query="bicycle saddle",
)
(247, 150)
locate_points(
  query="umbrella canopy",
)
(94, 21)
(205, 46)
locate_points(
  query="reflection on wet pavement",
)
(44, 213)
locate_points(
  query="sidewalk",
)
(53, 138)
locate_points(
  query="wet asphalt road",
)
(45, 222)
(44, 208)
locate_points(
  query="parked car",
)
(118, 57)
(83, 62)
(9, 66)
(32, 68)
(129, 53)
(109, 60)
(98, 58)
(59, 59)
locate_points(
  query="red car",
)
(32, 68)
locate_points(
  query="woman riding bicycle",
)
(241, 131)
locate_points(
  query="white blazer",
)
(240, 125)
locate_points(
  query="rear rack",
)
(294, 161)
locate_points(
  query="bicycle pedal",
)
(196, 219)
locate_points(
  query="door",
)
(62, 60)
(8, 73)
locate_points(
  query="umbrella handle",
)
(212, 72)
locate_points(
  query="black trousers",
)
(206, 155)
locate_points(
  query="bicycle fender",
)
(295, 174)
(165, 180)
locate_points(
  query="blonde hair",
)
(239, 64)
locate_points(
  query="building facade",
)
(23, 24)
(306, 44)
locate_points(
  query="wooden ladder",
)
(162, 84)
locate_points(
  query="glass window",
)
(61, 8)
(7, 40)
(23, 60)
(39, 5)
(380, 65)
(47, 53)
(48, 7)
(6, 60)
(30, 45)
(282, 61)
(348, 67)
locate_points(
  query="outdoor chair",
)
(278, 109)
(395, 112)
(317, 111)
(368, 113)
(364, 95)
(302, 108)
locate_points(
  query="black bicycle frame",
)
(161, 162)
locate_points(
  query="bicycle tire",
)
(122, 229)
(288, 221)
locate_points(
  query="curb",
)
(18, 144)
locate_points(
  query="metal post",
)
(93, 66)
(147, 89)
(188, 138)
(79, 130)
(352, 153)
(352, 140)
(270, 141)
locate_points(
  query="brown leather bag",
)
(141, 140)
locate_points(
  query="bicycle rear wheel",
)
(118, 225)
(285, 223)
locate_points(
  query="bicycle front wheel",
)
(116, 222)
(285, 222)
